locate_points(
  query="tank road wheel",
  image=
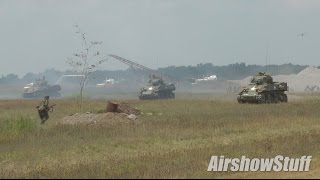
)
(156, 96)
(285, 98)
(268, 98)
(242, 101)
(275, 98)
(281, 98)
(238, 99)
(164, 95)
(38, 94)
(168, 95)
(261, 99)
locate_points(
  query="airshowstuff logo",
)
(278, 163)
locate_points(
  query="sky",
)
(39, 34)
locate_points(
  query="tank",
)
(40, 88)
(157, 89)
(262, 89)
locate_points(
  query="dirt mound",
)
(114, 106)
(95, 119)
(309, 71)
(125, 108)
(310, 76)
(115, 113)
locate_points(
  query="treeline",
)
(53, 76)
(182, 73)
(232, 71)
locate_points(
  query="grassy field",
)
(176, 141)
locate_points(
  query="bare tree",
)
(86, 61)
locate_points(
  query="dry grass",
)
(176, 141)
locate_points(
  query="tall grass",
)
(172, 139)
(15, 126)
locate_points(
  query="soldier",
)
(44, 108)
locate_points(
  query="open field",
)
(172, 139)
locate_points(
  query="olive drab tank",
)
(40, 88)
(157, 89)
(262, 89)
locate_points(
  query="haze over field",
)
(203, 96)
(39, 34)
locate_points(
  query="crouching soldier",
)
(44, 108)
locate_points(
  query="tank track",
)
(266, 98)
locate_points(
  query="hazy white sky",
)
(39, 34)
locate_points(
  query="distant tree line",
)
(231, 71)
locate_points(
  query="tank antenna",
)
(267, 56)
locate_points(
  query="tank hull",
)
(52, 91)
(264, 97)
(166, 95)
